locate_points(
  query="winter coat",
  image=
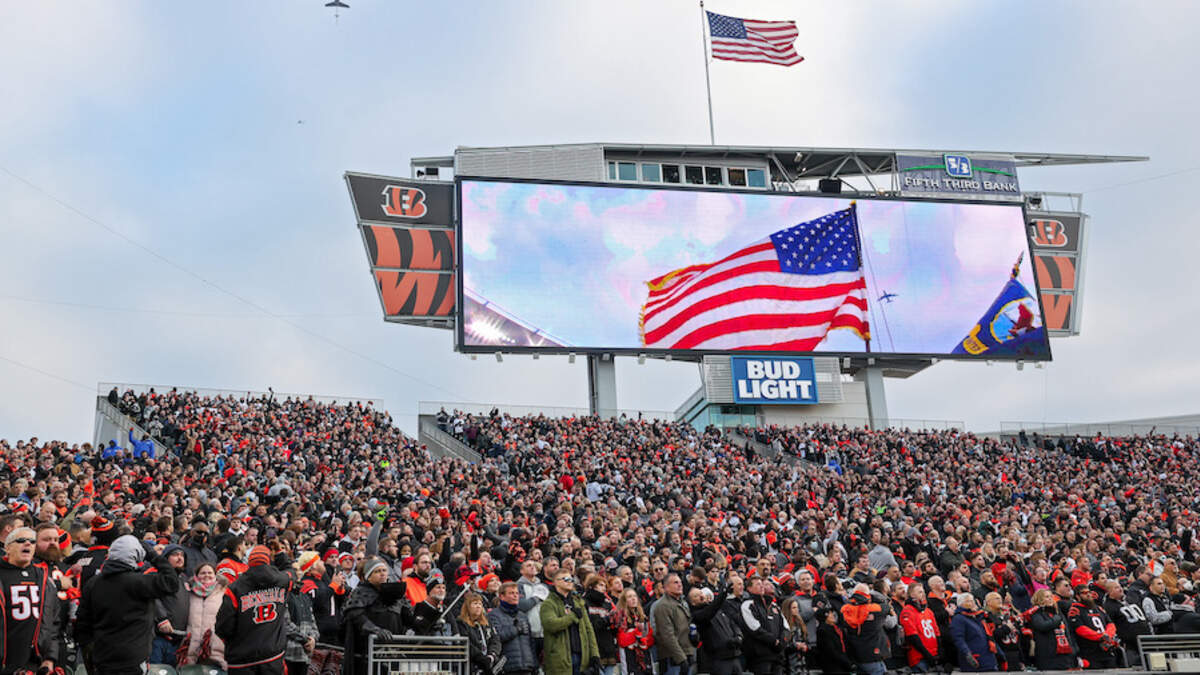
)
(831, 653)
(1049, 628)
(672, 621)
(720, 636)
(116, 614)
(253, 618)
(557, 624)
(600, 610)
(864, 634)
(516, 638)
(533, 593)
(971, 640)
(369, 608)
(762, 631)
(201, 624)
(484, 645)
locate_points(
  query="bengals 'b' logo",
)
(404, 202)
(1049, 233)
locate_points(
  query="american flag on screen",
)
(785, 292)
(735, 39)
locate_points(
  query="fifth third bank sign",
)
(773, 380)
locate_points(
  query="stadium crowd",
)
(260, 534)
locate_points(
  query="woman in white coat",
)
(202, 646)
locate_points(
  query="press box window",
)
(756, 178)
(737, 177)
(651, 173)
(612, 170)
(712, 175)
(670, 173)
(693, 175)
(626, 171)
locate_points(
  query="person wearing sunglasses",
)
(31, 607)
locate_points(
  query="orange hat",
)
(484, 580)
(259, 555)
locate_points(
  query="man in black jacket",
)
(762, 624)
(253, 619)
(720, 637)
(117, 609)
(30, 637)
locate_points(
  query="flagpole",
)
(712, 136)
(861, 265)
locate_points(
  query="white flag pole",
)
(712, 137)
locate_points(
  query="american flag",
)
(735, 39)
(785, 292)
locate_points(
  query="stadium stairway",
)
(112, 424)
(441, 444)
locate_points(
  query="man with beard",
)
(921, 632)
(31, 635)
(103, 533)
(116, 613)
(172, 611)
(49, 551)
(428, 615)
(1095, 634)
(1129, 619)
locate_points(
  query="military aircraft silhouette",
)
(888, 297)
(337, 3)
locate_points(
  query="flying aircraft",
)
(888, 297)
(337, 3)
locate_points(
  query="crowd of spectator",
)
(255, 532)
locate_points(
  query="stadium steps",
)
(112, 424)
(441, 444)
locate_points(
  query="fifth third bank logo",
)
(402, 201)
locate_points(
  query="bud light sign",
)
(773, 380)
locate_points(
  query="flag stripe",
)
(792, 323)
(688, 271)
(804, 288)
(748, 301)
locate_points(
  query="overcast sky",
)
(172, 209)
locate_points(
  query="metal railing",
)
(1162, 652)
(104, 387)
(411, 654)
(433, 407)
(428, 428)
(1114, 429)
(121, 421)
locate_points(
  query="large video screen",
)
(569, 267)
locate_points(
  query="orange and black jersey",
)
(29, 609)
(253, 619)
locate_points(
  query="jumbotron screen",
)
(636, 269)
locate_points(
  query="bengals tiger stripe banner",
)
(410, 248)
(1056, 241)
(407, 228)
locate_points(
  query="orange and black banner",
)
(1057, 307)
(1057, 246)
(416, 294)
(409, 248)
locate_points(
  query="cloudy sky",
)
(172, 208)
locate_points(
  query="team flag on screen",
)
(785, 292)
(1011, 326)
(735, 39)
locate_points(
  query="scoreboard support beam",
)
(602, 385)
(872, 377)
